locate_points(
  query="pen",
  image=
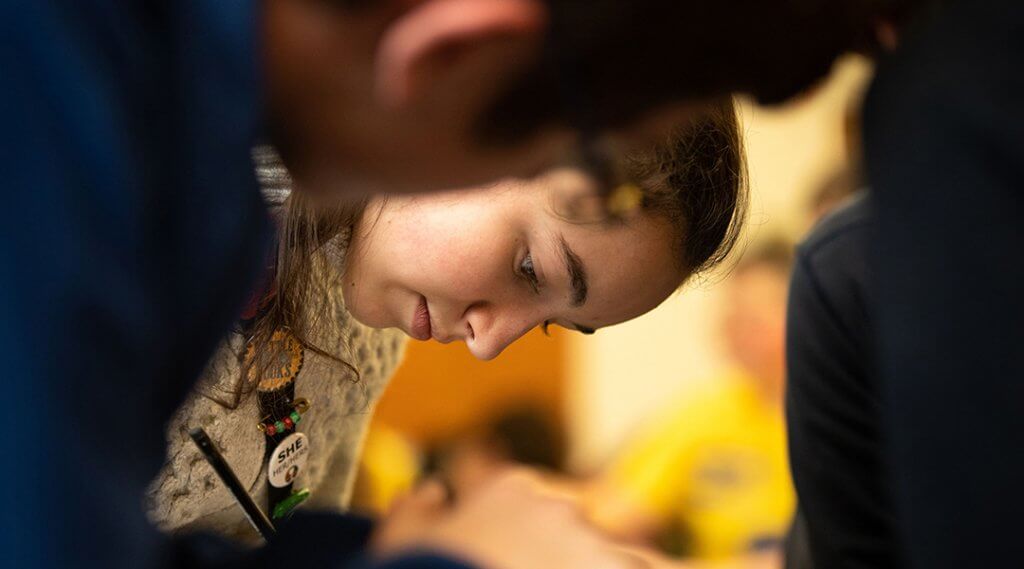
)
(257, 518)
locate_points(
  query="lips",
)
(420, 328)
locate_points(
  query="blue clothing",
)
(134, 230)
(833, 405)
(944, 150)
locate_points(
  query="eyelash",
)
(527, 271)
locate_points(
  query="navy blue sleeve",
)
(944, 136)
(132, 231)
(133, 225)
(832, 400)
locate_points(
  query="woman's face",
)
(487, 265)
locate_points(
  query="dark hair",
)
(697, 181)
(527, 435)
(306, 274)
(605, 61)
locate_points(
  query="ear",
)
(418, 47)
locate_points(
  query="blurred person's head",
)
(518, 435)
(416, 95)
(486, 266)
(755, 317)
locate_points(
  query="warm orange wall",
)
(442, 389)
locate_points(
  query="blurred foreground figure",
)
(137, 229)
(943, 143)
(709, 479)
(944, 151)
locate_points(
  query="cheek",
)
(458, 269)
(452, 255)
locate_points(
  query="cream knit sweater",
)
(187, 495)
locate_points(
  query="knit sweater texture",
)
(187, 495)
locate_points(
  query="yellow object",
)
(624, 199)
(388, 468)
(713, 469)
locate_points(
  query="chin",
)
(360, 318)
(359, 308)
(372, 319)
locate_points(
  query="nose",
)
(491, 328)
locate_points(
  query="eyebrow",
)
(577, 276)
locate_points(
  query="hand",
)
(508, 523)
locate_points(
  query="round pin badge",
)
(288, 460)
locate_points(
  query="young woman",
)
(483, 266)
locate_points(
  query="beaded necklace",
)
(281, 412)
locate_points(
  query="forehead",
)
(631, 266)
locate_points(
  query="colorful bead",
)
(284, 507)
(288, 422)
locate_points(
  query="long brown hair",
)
(304, 275)
(307, 271)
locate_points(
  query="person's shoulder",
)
(850, 220)
(831, 275)
(840, 238)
